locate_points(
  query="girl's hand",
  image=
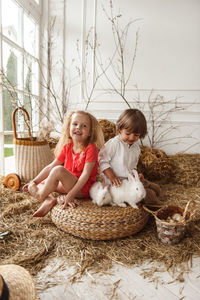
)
(25, 187)
(69, 201)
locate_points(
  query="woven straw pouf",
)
(90, 221)
(18, 282)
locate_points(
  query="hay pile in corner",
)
(155, 164)
(108, 127)
(186, 169)
(30, 241)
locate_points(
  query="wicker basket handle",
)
(187, 208)
(150, 211)
(14, 123)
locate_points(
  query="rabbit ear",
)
(131, 177)
(135, 174)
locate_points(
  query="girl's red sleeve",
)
(62, 155)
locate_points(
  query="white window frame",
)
(34, 10)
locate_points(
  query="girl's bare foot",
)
(46, 206)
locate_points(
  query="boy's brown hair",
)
(132, 120)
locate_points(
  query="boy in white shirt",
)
(120, 155)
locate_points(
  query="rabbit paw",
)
(122, 204)
(134, 206)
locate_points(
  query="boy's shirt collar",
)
(126, 145)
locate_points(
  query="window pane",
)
(12, 67)
(9, 154)
(31, 82)
(31, 105)
(31, 36)
(10, 100)
(28, 76)
(10, 20)
(8, 145)
(35, 78)
(21, 120)
(20, 69)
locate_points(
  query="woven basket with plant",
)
(31, 154)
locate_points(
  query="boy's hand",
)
(116, 181)
(141, 177)
(112, 177)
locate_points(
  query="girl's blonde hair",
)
(96, 133)
(132, 120)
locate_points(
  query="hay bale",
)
(154, 164)
(109, 129)
(52, 142)
(186, 169)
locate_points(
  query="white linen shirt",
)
(119, 156)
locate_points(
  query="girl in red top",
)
(77, 149)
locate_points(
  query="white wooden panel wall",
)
(167, 60)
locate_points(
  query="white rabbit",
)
(100, 194)
(131, 191)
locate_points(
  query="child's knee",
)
(57, 171)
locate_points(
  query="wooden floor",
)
(55, 283)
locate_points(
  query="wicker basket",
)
(18, 281)
(31, 155)
(173, 232)
(90, 221)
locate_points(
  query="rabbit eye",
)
(137, 189)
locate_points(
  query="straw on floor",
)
(30, 241)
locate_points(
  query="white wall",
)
(167, 62)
